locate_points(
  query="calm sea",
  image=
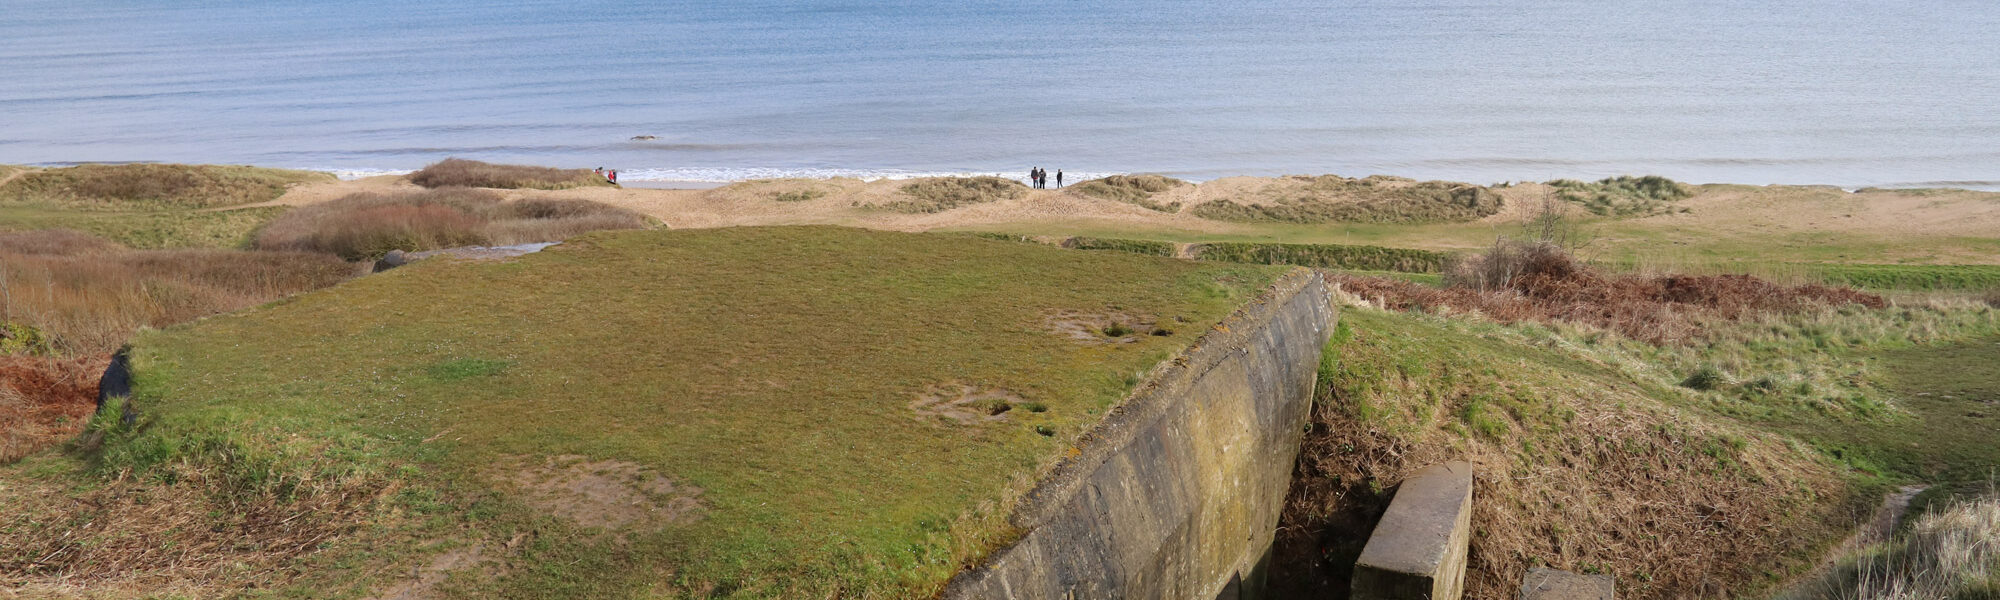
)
(1854, 93)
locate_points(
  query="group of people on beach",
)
(611, 175)
(1041, 177)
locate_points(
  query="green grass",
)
(148, 186)
(773, 368)
(148, 229)
(1148, 247)
(1910, 277)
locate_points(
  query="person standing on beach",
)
(1031, 175)
(612, 175)
(1058, 178)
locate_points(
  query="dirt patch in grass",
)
(1104, 327)
(1132, 189)
(366, 226)
(44, 401)
(471, 173)
(152, 186)
(603, 493)
(1542, 283)
(964, 404)
(425, 580)
(1374, 199)
(946, 193)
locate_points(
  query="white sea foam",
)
(353, 174)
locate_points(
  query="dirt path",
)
(1877, 530)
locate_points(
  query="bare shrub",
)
(472, 173)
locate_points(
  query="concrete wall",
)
(1176, 494)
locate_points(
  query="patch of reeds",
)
(1376, 199)
(471, 173)
(368, 225)
(88, 300)
(1132, 189)
(946, 193)
(150, 186)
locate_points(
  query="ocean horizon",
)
(1851, 94)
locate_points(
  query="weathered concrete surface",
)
(1176, 493)
(397, 258)
(1553, 584)
(1418, 548)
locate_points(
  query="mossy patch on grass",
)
(148, 186)
(773, 369)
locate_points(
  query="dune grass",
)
(1623, 196)
(148, 186)
(164, 229)
(459, 172)
(1132, 189)
(365, 226)
(771, 369)
(1374, 199)
(946, 193)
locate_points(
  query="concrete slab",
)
(1418, 549)
(1556, 584)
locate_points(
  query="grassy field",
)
(801, 411)
(148, 229)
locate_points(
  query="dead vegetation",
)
(1528, 281)
(946, 193)
(44, 400)
(458, 172)
(367, 225)
(1132, 189)
(85, 296)
(1575, 471)
(1374, 199)
(1949, 553)
(148, 185)
(182, 529)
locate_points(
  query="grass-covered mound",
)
(796, 412)
(1373, 199)
(367, 225)
(946, 193)
(143, 186)
(1624, 195)
(1132, 189)
(471, 173)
